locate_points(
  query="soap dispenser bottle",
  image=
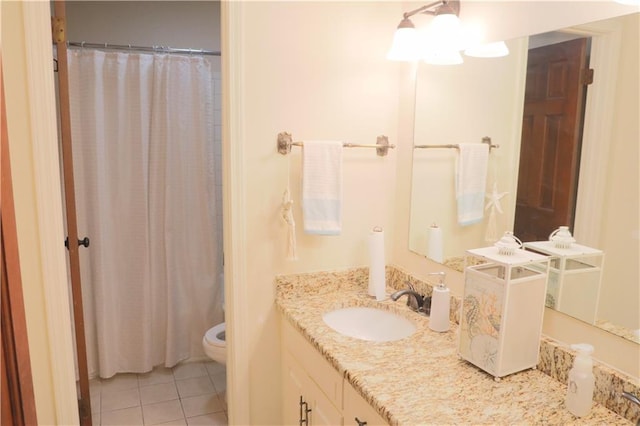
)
(440, 305)
(581, 381)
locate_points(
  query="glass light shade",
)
(404, 46)
(488, 50)
(445, 31)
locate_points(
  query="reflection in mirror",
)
(485, 97)
(463, 104)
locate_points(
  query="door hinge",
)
(58, 31)
(587, 76)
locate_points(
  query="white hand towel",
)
(471, 181)
(322, 187)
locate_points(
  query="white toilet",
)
(214, 341)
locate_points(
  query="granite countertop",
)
(421, 379)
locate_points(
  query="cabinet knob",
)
(360, 422)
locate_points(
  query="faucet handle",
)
(412, 302)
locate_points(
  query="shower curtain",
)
(142, 132)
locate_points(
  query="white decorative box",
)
(502, 310)
(575, 274)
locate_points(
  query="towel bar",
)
(485, 139)
(285, 142)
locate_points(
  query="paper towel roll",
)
(440, 304)
(376, 264)
(434, 249)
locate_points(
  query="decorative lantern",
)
(503, 306)
(575, 274)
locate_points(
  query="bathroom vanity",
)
(418, 379)
(313, 390)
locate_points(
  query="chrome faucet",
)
(421, 303)
(631, 397)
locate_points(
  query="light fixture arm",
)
(453, 4)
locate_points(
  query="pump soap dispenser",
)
(581, 381)
(440, 305)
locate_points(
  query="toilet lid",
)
(216, 335)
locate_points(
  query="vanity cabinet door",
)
(311, 387)
(294, 384)
(323, 412)
(324, 375)
(357, 410)
(304, 404)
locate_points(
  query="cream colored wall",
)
(23, 182)
(318, 71)
(622, 224)
(30, 112)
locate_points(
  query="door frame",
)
(592, 179)
(59, 389)
(234, 206)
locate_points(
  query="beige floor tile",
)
(119, 382)
(126, 417)
(220, 381)
(213, 419)
(181, 422)
(189, 370)
(153, 398)
(157, 376)
(195, 386)
(96, 407)
(203, 404)
(214, 367)
(158, 393)
(95, 385)
(162, 412)
(123, 399)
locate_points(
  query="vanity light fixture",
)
(405, 42)
(442, 41)
(444, 33)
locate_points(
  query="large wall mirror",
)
(485, 97)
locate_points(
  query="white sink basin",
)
(371, 324)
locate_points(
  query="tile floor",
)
(188, 394)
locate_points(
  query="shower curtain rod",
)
(155, 49)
